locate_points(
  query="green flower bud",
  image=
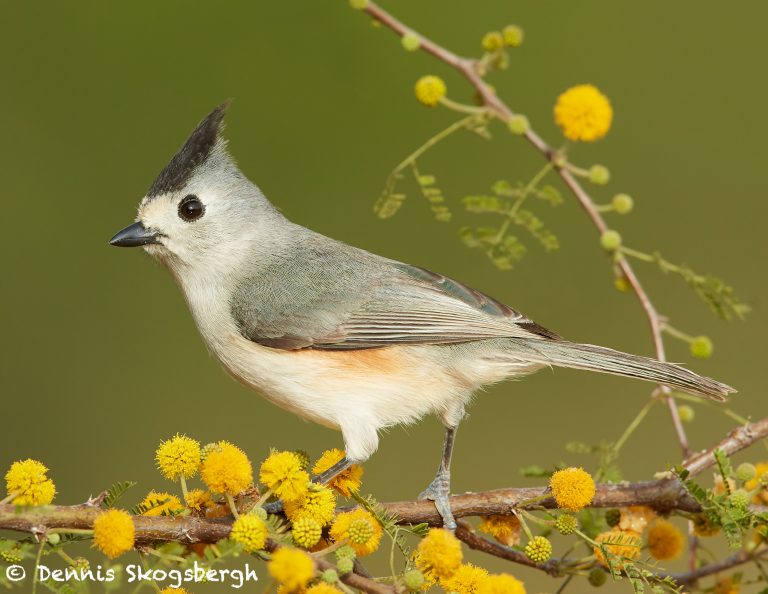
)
(610, 240)
(701, 347)
(613, 517)
(259, 512)
(739, 498)
(687, 414)
(622, 203)
(410, 41)
(358, 4)
(345, 566)
(54, 538)
(746, 471)
(413, 579)
(621, 284)
(599, 175)
(81, 564)
(566, 524)
(597, 577)
(12, 556)
(518, 124)
(330, 576)
(345, 552)
(492, 41)
(513, 35)
(538, 549)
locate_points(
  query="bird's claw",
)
(439, 491)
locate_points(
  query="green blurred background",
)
(100, 358)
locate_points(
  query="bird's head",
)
(201, 213)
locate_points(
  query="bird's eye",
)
(190, 208)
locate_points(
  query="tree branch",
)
(468, 68)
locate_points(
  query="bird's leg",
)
(440, 489)
(321, 479)
(328, 475)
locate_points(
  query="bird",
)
(335, 334)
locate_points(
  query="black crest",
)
(195, 151)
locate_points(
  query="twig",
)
(469, 69)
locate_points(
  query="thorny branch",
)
(497, 107)
(664, 494)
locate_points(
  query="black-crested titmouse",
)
(333, 333)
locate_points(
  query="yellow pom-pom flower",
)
(306, 532)
(467, 579)
(538, 549)
(28, 482)
(345, 483)
(173, 591)
(160, 504)
(501, 584)
(439, 553)
(760, 480)
(113, 532)
(198, 500)
(505, 529)
(430, 89)
(572, 488)
(227, 469)
(665, 541)
(250, 531)
(291, 568)
(620, 544)
(318, 503)
(178, 457)
(360, 527)
(583, 113)
(282, 473)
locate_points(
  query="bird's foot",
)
(439, 491)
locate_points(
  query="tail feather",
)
(597, 358)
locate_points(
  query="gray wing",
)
(361, 301)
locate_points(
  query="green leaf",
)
(116, 492)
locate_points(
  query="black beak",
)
(134, 236)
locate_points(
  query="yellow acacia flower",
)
(322, 588)
(572, 488)
(113, 532)
(620, 544)
(160, 504)
(665, 541)
(28, 481)
(538, 549)
(306, 532)
(727, 585)
(703, 526)
(439, 553)
(760, 478)
(178, 457)
(173, 591)
(281, 472)
(360, 527)
(583, 113)
(250, 531)
(635, 518)
(198, 500)
(467, 579)
(291, 568)
(505, 529)
(318, 503)
(345, 483)
(429, 90)
(227, 469)
(501, 584)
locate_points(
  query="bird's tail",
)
(605, 360)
